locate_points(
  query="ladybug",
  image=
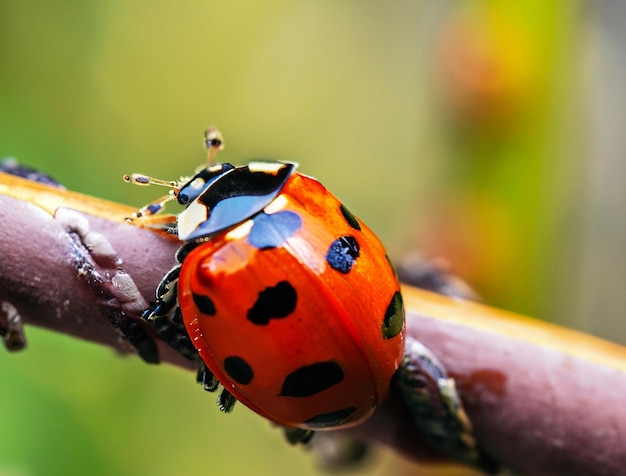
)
(290, 303)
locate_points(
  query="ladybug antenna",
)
(156, 206)
(214, 142)
(145, 180)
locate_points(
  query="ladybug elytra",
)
(289, 301)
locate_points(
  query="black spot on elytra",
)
(394, 317)
(331, 419)
(271, 231)
(238, 369)
(274, 302)
(342, 253)
(350, 218)
(311, 379)
(204, 304)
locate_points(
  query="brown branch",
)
(69, 283)
(543, 399)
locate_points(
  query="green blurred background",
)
(487, 133)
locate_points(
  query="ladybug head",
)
(199, 182)
(231, 197)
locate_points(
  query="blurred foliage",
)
(452, 128)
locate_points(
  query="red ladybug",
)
(296, 310)
(289, 301)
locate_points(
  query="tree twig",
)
(542, 399)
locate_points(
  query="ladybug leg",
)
(336, 451)
(165, 317)
(148, 215)
(153, 207)
(206, 378)
(297, 435)
(225, 400)
(11, 327)
(436, 407)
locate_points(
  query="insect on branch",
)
(537, 394)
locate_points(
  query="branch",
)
(72, 264)
(542, 399)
